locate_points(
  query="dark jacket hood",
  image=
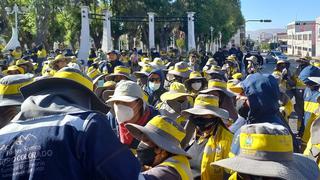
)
(263, 94)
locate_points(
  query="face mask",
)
(242, 108)
(154, 86)
(196, 86)
(146, 154)
(123, 113)
(177, 106)
(204, 123)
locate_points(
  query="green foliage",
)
(49, 21)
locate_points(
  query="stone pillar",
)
(85, 35)
(151, 30)
(107, 39)
(191, 36)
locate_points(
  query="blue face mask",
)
(154, 86)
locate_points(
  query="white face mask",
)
(123, 113)
(154, 86)
(196, 86)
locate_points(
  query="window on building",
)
(305, 37)
(310, 36)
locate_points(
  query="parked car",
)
(274, 56)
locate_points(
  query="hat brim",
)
(143, 64)
(167, 96)
(315, 79)
(215, 111)
(139, 74)
(156, 66)
(110, 76)
(225, 91)
(182, 74)
(54, 83)
(161, 141)
(122, 99)
(298, 168)
(14, 101)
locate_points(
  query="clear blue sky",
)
(281, 12)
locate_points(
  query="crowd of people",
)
(158, 115)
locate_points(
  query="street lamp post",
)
(14, 41)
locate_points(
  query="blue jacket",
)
(263, 94)
(154, 96)
(61, 145)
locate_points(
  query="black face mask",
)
(204, 123)
(242, 108)
(146, 154)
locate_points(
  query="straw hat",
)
(267, 150)
(217, 85)
(10, 89)
(234, 86)
(162, 131)
(176, 91)
(108, 86)
(205, 104)
(180, 69)
(58, 58)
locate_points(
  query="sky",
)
(281, 12)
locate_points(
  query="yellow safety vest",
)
(217, 148)
(307, 152)
(42, 53)
(314, 115)
(181, 165)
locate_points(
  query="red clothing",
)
(125, 136)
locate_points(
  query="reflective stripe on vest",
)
(181, 165)
(217, 148)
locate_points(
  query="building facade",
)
(301, 38)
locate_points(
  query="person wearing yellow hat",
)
(226, 98)
(252, 66)
(93, 72)
(128, 106)
(59, 62)
(174, 101)
(63, 124)
(179, 73)
(144, 61)
(158, 63)
(266, 152)
(10, 96)
(195, 83)
(120, 73)
(215, 72)
(26, 65)
(210, 62)
(160, 151)
(212, 140)
(313, 146)
(142, 75)
(17, 53)
(13, 70)
(124, 58)
(106, 90)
